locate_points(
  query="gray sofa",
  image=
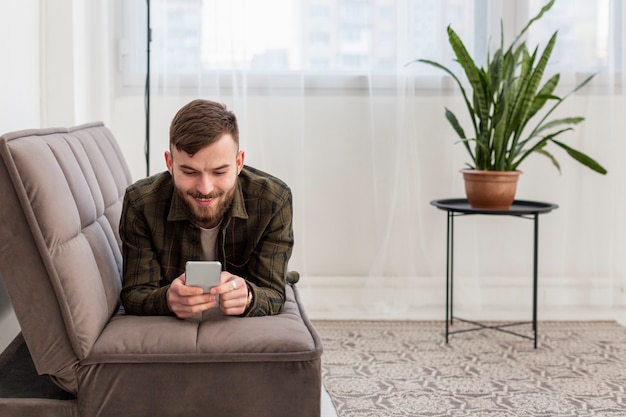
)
(60, 259)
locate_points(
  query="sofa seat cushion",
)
(217, 338)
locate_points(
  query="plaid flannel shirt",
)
(255, 241)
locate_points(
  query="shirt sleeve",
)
(142, 293)
(269, 261)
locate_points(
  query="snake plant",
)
(505, 103)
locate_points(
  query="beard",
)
(207, 217)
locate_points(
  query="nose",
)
(205, 185)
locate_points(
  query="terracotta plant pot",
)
(494, 190)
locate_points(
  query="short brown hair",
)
(200, 123)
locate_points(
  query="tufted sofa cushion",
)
(64, 191)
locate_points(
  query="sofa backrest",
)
(60, 257)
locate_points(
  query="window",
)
(193, 38)
(584, 42)
(289, 35)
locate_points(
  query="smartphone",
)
(203, 274)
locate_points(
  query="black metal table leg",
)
(448, 271)
(451, 267)
(535, 267)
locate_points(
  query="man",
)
(206, 206)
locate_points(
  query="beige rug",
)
(404, 368)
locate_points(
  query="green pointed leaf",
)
(544, 94)
(537, 146)
(455, 124)
(471, 72)
(551, 157)
(582, 158)
(468, 105)
(533, 84)
(534, 19)
(559, 122)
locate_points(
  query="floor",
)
(328, 410)
(317, 311)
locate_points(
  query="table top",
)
(519, 207)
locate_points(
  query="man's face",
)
(206, 181)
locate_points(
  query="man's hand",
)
(186, 301)
(233, 292)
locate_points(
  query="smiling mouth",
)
(204, 200)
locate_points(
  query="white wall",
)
(19, 72)
(19, 99)
(76, 68)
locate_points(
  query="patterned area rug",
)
(404, 368)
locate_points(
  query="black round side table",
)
(461, 207)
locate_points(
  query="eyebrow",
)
(185, 166)
(221, 167)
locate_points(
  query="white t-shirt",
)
(208, 237)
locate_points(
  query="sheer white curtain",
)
(326, 102)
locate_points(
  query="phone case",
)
(203, 274)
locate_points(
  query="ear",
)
(241, 156)
(169, 162)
